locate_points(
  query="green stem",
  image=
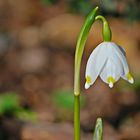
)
(78, 56)
(76, 117)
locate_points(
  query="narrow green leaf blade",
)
(98, 132)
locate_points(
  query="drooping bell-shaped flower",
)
(108, 61)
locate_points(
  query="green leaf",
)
(26, 115)
(98, 132)
(65, 99)
(9, 102)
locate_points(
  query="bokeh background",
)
(37, 45)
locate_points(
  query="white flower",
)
(109, 62)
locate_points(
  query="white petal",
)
(87, 85)
(128, 78)
(117, 64)
(111, 84)
(131, 81)
(122, 57)
(122, 50)
(113, 67)
(104, 72)
(107, 71)
(96, 62)
(121, 54)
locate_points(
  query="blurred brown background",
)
(37, 44)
